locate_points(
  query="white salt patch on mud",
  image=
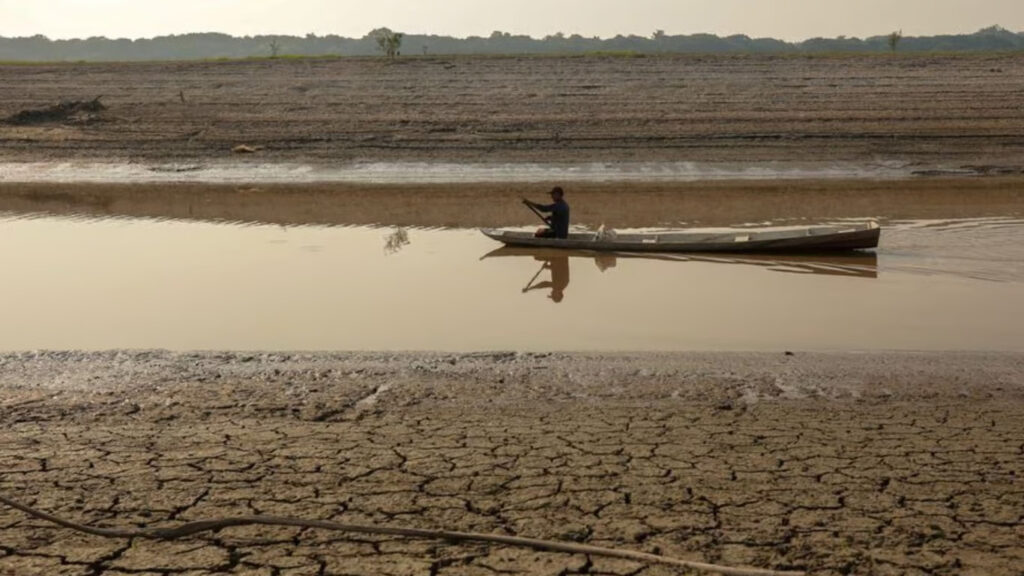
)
(371, 400)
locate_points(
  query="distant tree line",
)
(215, 45)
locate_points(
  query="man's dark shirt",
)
(559, 210)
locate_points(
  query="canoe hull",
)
(813, 239)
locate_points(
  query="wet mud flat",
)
(888, 463)
(497, 204)
(928, 112)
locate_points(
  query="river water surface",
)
(86, 283)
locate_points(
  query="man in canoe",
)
(558, 222)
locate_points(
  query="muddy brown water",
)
(93, 283)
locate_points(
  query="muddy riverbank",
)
(616, 204)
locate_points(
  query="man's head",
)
(557, 193)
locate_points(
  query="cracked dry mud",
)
(834, 463)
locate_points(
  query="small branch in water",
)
(198, 526)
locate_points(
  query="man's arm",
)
(541, 207)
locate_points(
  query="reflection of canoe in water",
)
(810, 239)
(849, 264)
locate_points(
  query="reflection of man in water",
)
(559, 267)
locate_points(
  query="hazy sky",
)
(787, 19)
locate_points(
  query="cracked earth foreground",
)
(833, 463)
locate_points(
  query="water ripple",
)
(977, 248)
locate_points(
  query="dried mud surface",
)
(834, 463)
(917, 109)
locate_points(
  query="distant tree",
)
(658, 35)
(275, 48)
(389, 42)
(997, 29)
(894, 40)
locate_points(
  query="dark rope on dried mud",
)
(191, 528)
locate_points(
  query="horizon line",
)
(564, 35)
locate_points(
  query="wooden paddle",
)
(537, 212)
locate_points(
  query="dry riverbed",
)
(923, 111)
(834, 463)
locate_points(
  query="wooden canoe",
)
(808, 239)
